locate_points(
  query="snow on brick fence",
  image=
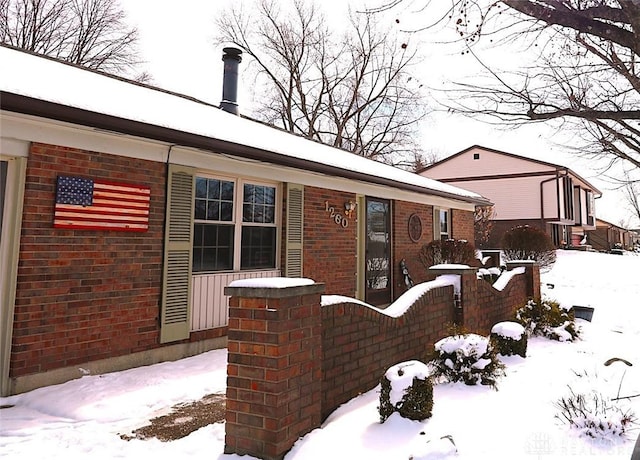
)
(294, 355)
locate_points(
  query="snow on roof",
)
(46, 79)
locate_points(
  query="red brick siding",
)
(329, 249)
(462, 225)
(404, 247)
(86, 295)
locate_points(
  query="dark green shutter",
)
(176, 286)
(295, 226)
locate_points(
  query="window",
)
(567, 197)
(258, 229)
(442, 224)
(476, 156)
(233, 230)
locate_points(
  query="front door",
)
(378, 252)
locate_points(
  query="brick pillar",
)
(274, 371)
(466, 301)
(532, 274)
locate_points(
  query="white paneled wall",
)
(210, 307)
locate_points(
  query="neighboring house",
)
(524, 192)
(126, 210)
(608, 236)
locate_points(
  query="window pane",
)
(259, 204)
(444, 222)
(258, 247)
(214, 200)
(249, 193)
(270, 195)
(201, 209)
(226, 211)
(227, 191)
(214, 189)
(269, 214)
(213, 210)
(201, 187)
(247, 213)
(258, 214)
(259, 195)
(213, 249)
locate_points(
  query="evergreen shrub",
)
(469, 358)
(406, 388)
(509, 338)
(546, 318)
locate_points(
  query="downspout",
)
(557, 176)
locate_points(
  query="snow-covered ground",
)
(84, 418)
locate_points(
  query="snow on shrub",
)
(406, 388)
(490, 275)
(470, 358)
(547, 318)
(595, 415)
(591, 408)
(509, 338)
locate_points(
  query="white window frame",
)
(237, 218)
(437, 232)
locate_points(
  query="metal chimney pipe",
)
(231, 58)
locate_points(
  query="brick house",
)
(524, 192)
(127, 209)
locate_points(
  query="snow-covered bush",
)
(509, 338)
(547, 318)
(470, 358)
(595, 415)
(489, 274)
(406, 388)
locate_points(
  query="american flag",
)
(86, 204)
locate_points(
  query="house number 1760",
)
(338, 218)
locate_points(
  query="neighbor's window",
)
(234, 225)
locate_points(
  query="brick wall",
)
(86, 295)
(275, 348)
(462, 223)
(404, 247)
(329, 248)
(274, 371)
(359, 344)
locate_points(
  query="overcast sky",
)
(177, 45)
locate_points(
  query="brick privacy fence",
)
(292, 363)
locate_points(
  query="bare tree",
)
(350, 90)
(90, 33)
(585, 72)
(632, 195)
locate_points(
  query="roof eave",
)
(26, 105)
